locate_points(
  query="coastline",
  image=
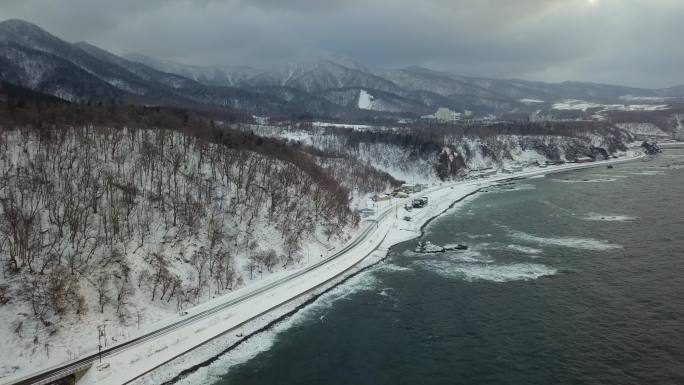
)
(182, 341)
(449, 196)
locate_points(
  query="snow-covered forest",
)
(115, 210)
(105, 222)
(439, 152)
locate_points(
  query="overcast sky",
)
(630, 42)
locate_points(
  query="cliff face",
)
(416, 156)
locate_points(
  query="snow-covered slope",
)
(643, 129)
(365, 100)
(409, 156)
(125, 227)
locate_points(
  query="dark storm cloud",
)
(634, 42)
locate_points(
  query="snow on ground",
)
(679, 121)
(643, 107)
(413, 165)
(531, 101)
(36, 347)
(343, 125)
(645, 99)
(289, 133)
(642, 129)
(575, 104)
(365, 100)
(390, 229)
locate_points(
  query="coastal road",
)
(61, 371)
(132, 358)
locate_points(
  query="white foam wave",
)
(595, 180)
(487, 272)
(569, 242)
(525, 249)
(264, 341)
(517, 187)
(558, 207)
(609, 217)
(471, 257)
(648, 173)
(612, 176)
(390, 267)
(478, 236)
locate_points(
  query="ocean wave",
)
(555, 206)
(525, 249)
(265, 340)
(478, 236)
(612, 176)
(569, 242)
(487, 272)
(390, 267)
(505, 188)
(609, 217)
(648, 173)
(470, 257)
(595, 180)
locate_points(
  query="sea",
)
(572, 278)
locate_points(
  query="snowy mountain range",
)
(324, 87)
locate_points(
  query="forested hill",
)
(122, 212)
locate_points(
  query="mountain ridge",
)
(34, 58)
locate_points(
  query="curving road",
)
(55, 373)
(52, 374)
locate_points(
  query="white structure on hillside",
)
(447, 115)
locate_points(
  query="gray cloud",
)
(632, 42)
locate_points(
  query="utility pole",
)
(99, 342)
(104, 333)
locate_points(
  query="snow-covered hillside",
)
(583, 105)
(643, 129)
(365, 100)
(125, 227)
(409, 156)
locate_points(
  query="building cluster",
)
(444, 114)
(400, 192)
